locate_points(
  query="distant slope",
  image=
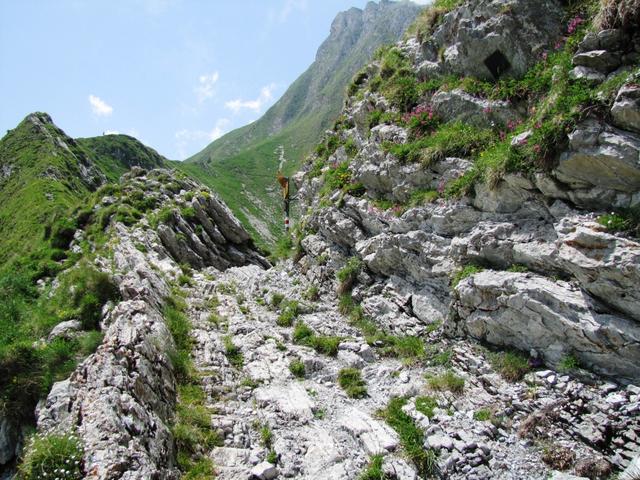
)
(116, 154)
(241, 165)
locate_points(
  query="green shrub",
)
(62, 233)
(350, 379)
(325, 344)
(296, 367)
(52, 456)
(411, 437)
(448, 381)
(266, 436)
(312, 293)
(302, 333)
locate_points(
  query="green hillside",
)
(242, 165)
(44, 174)
(116, 154)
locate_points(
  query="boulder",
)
(264, 471)
(457, 105)
(526, 311)
(601, 157)
(67, 330)
(626, 109)
(603, 61)
(9, 437)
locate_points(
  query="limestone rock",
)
(626, 109)
(66, 329)
(487, 39)
(457, 105)
(530, 312)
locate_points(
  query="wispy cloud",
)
(266, 95)
(206, 86)
(99, 107)
(195, 139)
(111, 132)
(289, 7)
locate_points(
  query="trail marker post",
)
(284, 183)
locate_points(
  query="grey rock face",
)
(626, 109)
(65, 330)
(555, 319)
(9, 436)
(486, 40)
(602, 157)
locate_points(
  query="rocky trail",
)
(317, 432)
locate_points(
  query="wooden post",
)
(284, 183)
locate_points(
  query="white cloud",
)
(206, 84)
(266, 95)
(199, 138)
(100, 107)
(289, 7)
(111, 132)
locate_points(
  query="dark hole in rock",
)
(497, 64)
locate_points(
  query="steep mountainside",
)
(44, 174)
(242, 164)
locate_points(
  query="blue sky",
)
(176, 74)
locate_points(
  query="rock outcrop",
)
(120, 401)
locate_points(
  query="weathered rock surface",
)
(530, 312)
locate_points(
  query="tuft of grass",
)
(266, 436)
(569, 363)
(373, 471)
(411, 437)
(327, 345)
(348, 274)
(289, 312)
(312, 294)
(276, 299)
(52, 456)
(350, 379)
(511, 365)
(426, 405)
(482, 415)
(447, 381)
(233, 352)
(297, 368)
(463, 273)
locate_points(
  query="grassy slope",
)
(116, 154)
(248, 156)
(44, 183)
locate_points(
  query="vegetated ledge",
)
(120, 401)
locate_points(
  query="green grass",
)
(266, 436)
(325, 344)
(28, 368)
(233, 352)
(312, 294)
(348, 274)
(463, 273)
(482, 415)
(46, 456)
(350, 380)
(426, 405)
(297, 368)
(411, 437)
(569, 363)
(373, 471)
(289, 311)
(511, 365)
(447, 381)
